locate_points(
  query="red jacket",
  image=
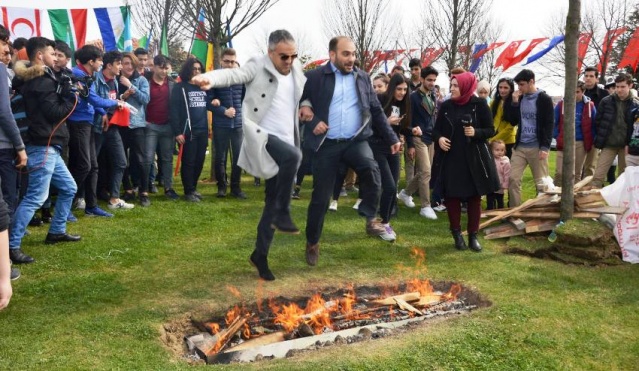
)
(586, 126)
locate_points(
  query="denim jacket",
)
(139, 100)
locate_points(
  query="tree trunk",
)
(572, 37)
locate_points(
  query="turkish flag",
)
(631, 54)
(508, 53)
(582, 48)
(509, 62)
(21, 22)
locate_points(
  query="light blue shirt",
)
(345, 112)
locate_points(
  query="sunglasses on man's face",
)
(285, 57)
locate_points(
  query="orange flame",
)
(234, 291)
(422, 286)
(419, 255)
(213, 327)
(452, 293)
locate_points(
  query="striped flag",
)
(199, 46)
(115, 27)
(70, 26)
(21, 22)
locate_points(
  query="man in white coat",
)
(274, 85)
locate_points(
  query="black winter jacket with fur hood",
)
(45, 108)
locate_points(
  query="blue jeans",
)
(46, 168)
(162, 135)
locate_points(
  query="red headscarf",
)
(467, 83)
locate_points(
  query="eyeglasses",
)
(228, 61)
(285, 57)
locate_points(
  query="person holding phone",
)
(463, 162)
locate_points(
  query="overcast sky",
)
(521, 20)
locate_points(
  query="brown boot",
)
(312, 253)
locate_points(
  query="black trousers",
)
(193, 156)
(83, 160)
(137, 173)
(358, 156)
(277, 198)
(225, 139)
(389, 175)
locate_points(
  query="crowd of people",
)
(96, 132)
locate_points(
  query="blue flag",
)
(554, 42)
(477, 61)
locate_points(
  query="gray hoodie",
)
(9, 133)
(528, 124)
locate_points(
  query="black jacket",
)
(607, 116)
(468, 168)
(318, 90)
(596, 94)
(231, 96)
(45, 108)
(545, 120)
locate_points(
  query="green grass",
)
(102, 303)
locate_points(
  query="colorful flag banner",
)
(554, 42)
(606, 46)
(520, 57)
(21, 22)
(582, 48)
(70, 26)
(476, 61)
(630, 56)
(199, 47)
(429, 55)
(115, 27)
(508, 53)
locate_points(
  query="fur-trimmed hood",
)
(25, 71)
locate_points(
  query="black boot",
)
(473, 243)
(261, 263)
(46, 215)
(460, 244)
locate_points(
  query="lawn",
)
(102, 303)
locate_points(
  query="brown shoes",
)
(312, 253)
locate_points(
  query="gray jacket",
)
(9, 133)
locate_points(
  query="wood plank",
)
(619, 210)
(510, 212)
(517, 223)
(498, 228)
(505, 234)
(553, 215)
(275, 337)
(405, 306)
(582, 183)
(411, 296)
(548, 226)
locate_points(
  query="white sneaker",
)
(356, 206)
(406, 199)
(428, 213)
(333, 206)
(120, 204)
(389, 234)
(440, 208)
(80, 204)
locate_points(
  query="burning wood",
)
(392, 300)
(405, 306)
(223, 337)
(275, 337)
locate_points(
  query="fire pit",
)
(280, 327)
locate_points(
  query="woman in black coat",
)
(463, 162)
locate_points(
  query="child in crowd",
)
(502, 163)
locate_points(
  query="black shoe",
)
(460, 244)
(19, 257)
(473, 243)
(238, 194)
(36, 222)
(261, 263)
(129, 196)
(257, 182)
(191, 198)
(61, 237)
(104, 195)
(46, 215)
(145, 201)
(221, 192)
(153, 188)
(171, 194)
(285, 225)
(296, 193)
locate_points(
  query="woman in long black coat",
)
(463, 162)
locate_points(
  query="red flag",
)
(429, 55)
(508, 53)
(631, 54)
(611, 37)
(582, 48)
(511, 61)
(490, 47)
(121, 117)
(21, 22)
(179, 160)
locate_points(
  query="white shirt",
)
(280, 118)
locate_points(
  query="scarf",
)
(467, 83)
(427, 102)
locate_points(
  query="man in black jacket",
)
(534, 135)
(596, 94)
(344, 106)
(47, 107)
(615, 124)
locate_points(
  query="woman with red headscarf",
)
(463, 162)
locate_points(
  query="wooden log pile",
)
(542, 214)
